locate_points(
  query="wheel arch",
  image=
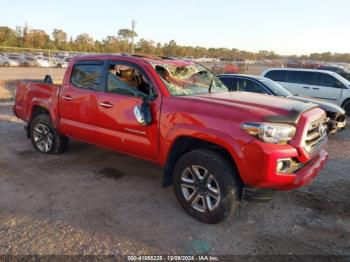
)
(185, 144)
(343, 104)
(37, 109)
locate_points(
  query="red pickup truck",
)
(216, 147)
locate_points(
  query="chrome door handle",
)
(306, 87)
(106, 105)
(315, 88)
(67, 98)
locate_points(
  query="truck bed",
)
(34, 93)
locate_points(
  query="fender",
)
(209, 135)
(47, 100)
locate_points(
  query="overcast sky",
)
(287, 27)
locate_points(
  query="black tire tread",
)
(229, 179)
(60, 143)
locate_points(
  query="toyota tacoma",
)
(216, 147)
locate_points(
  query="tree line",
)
(24, 37)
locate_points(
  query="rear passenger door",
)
(78, 107)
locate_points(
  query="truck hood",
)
(326, 106)
(259, 106)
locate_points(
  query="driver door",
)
(118, 125)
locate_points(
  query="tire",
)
(6, 64)
(346, 107)
(211, 195)
(45, 138)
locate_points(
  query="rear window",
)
(277, 75)
(86, 76)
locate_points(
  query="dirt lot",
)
(94, 201)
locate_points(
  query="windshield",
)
(276, 88)
(187, 80)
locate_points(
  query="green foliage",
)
(36, 38)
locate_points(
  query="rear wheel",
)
(206, 186)
(6, 64)
(44, 137)
(346, 107)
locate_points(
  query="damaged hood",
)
(259, 106)
(326, 106)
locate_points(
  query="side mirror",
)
(143, 113)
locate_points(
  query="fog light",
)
(283, 165)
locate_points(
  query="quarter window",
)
(87, 76)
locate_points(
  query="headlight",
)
(269, 132)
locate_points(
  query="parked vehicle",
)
(263, 85)
(311, 64)
(27, 61)
(320, 84)
(6, 62)
(225, 68)
(216, 147)
(337, 69)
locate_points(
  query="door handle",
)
(306, 87)
(67, 97)
(106, 105)
(315, 88)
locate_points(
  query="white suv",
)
(320, 84)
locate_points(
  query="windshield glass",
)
(276, 88)
(186, 80)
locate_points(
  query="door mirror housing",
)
(143, 113)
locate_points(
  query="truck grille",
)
(316, 135)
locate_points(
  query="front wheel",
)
(206, 185)
(44, 137)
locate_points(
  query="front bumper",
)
(262, 163)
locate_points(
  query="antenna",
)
(133, 24)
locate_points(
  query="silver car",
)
(7, 62)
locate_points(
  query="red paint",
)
(215, 118)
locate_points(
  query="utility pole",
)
(133, 23)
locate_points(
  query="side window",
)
(234, 86)
(128, 80)
(277, 75)
(86, 76)
(228, 81)
(299, 77)
(250, 86)
(306, 78)
(326, 80)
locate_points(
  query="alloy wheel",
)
(43, 137)
(200, 188)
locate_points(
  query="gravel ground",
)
(94, 201)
